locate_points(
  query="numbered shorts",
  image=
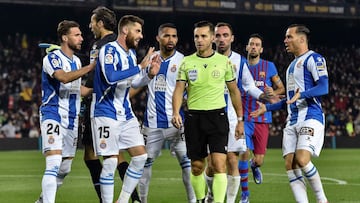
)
(155, 138)
(56, 137)
(111, 135)
(307, 135)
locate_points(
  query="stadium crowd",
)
(20, 91)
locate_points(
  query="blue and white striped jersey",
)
(114, 72)
(158, 112)
(60, 102)
(245, 82)
(303, 73)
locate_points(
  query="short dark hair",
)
(107, 16)
(129, 19)
(64, 28)
(165, 25)
(257, 35)
(205, 23)
(301, 29)
(222, 24)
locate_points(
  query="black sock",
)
(95, 168)
(122, 167)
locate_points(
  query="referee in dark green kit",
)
(206, 124)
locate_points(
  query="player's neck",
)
(105, 33)
(166, 54)
(122, 42)
(67, 51)
(253, 61)
(301, 52)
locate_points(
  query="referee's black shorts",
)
(203, 129)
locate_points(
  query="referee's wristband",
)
(241, 118)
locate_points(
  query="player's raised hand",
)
(154, 65)
(260, 111)
(147, 59)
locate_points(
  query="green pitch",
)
(21, 173)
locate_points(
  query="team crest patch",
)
(215, 74)
(319, 64)
(55, 63)
(51, 140)
(299, 64)
(262, 74)
(173, 68)
(103, 144)
(192, 75)
(109, 59)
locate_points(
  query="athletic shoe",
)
(244, 198)
(136, 201)
(39, 200)
(256, 173)
(209, 198)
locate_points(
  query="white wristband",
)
(241, 118)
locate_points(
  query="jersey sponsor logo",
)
(319, 64)
(109, 59)
(259, 83)
(215, 74)
(193, 74)
(205, 65)
(306, 131)
(160, 83)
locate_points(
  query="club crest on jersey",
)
(215, 74)
(109, 59)
(262, 74)
(173, 68)
(299, 64)
(192, 75)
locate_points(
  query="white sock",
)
(297, 186)
(64, 170)
(185, 164)
(48, 183)
(132, 177)
(144, 181)
(232, 188)
(313, 176)
(107, 180)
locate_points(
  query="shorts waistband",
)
(222, 110)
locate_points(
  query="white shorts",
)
(56, 137)
(233, 144)
(110, 135)
(307, 135)
(155, 137)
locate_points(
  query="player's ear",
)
(64, 38)
(261, 50)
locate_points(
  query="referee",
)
(205, 73)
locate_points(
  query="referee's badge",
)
(192, 75)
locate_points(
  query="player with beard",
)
(59, 111)
(115, 127)
(157, 127)
(103, 26)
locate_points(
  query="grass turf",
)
(21, 173)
